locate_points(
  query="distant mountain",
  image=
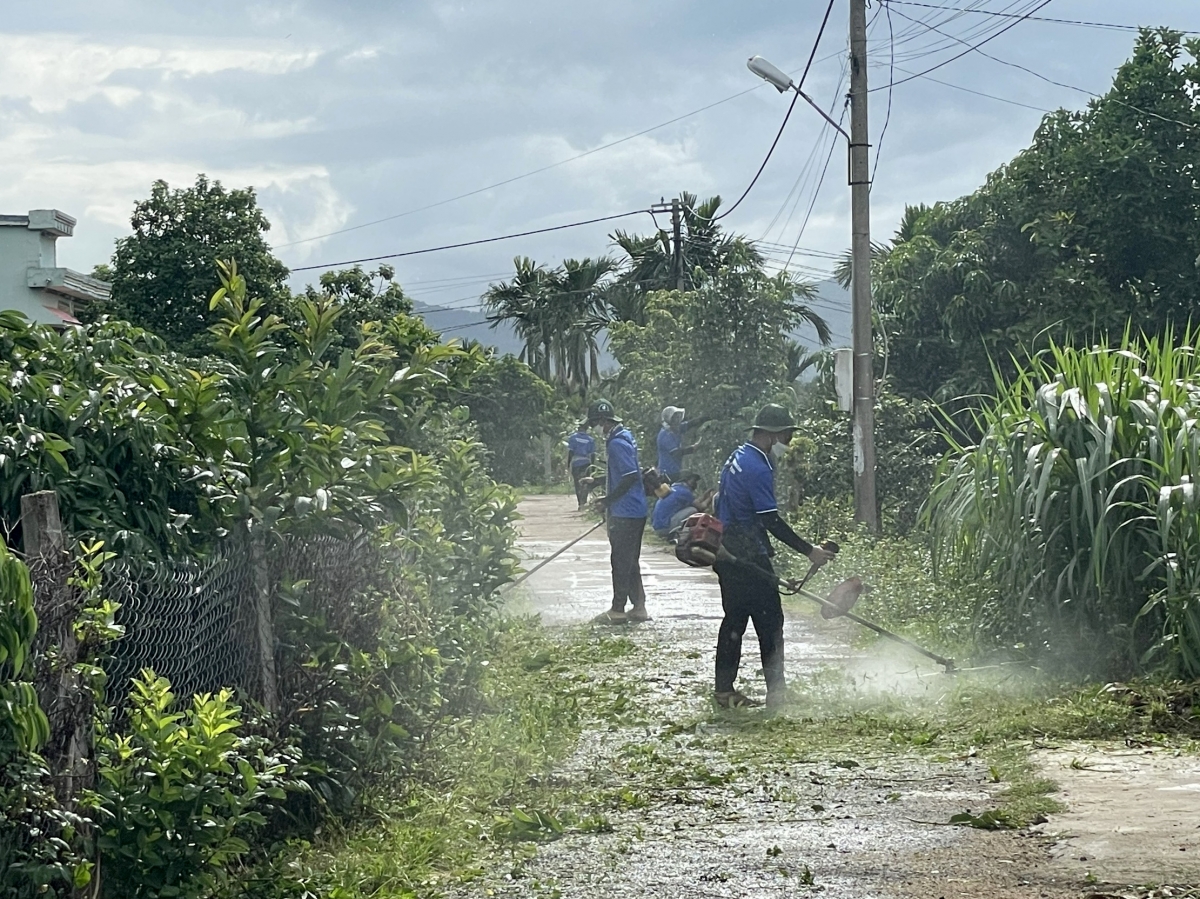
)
(468, 323)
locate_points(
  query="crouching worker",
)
(673, 509)
(748, 512)
(624, 508)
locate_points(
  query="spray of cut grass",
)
(905, 595)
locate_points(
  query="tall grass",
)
(1079, 504)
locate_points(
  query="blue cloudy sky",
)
(344, 113)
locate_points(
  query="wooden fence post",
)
(41, 525)
(64, 697)
(264, 621)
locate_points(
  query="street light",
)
(782, 82)
(777, 77)
(866, 508)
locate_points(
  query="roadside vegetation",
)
(1038, 456)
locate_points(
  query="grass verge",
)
(517, 774)
(488, 794)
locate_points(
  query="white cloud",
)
(299, 201)
(54, 70)
(638, 167)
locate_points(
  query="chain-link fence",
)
(186, 620)
(192, 622)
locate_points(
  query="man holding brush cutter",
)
(624, 508)
(748, 512)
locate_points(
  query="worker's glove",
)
(819, 555)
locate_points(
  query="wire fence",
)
(186, 620)
(193, 622)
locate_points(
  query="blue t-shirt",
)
(622, 461)
(665, 509)
(668, 442)
(582, 447)
(747, 490)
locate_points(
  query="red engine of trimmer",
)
(699, 540)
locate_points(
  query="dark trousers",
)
(578, 473)
(625, 540)
(748, 596)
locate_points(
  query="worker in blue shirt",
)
(624, 508)
(748, 511)
(581, 453)
(674, 508)
(671, 448)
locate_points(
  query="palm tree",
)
(559, 314)
(523, 303)
(582, 312)
(706, 250)
(799, 359)
(797, 294)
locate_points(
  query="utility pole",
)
(866, 508)
(676, 210)
(677, 228)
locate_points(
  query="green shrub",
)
(1079, 504)
(513, 408)
(37, 855)
(819, 466)
(179, 794)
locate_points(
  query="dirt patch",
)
(1133, 814)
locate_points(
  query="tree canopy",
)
(164, 272)
(1095, 225)
(720, 351)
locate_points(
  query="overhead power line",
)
(1007, 15)
(808, 171)
(923, 48)
(891, 78)
(788, 115)
(471, 243)
(537, 171)
(1047, 79)
(521, 177)
(959, 87)
(970, 47)
(816, 192)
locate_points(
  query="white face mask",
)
(778, 451)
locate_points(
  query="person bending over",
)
(683, 501)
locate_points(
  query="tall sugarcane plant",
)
(1079, 502)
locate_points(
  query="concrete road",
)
(684, 603)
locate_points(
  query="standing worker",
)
(624, 507)
(748, 511)
(581, 453)
(671, 448)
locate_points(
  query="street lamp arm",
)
(782, 82)
(809, 100)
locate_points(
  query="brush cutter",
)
(700, 545)
(550, 558)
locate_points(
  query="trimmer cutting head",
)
(841, 599)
